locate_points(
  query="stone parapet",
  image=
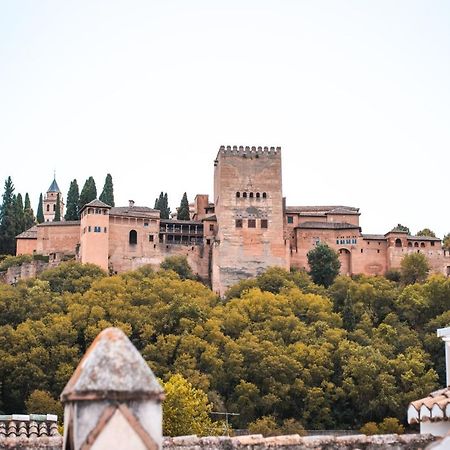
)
(248, 151)
(296, 442)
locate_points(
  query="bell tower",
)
(50, 200)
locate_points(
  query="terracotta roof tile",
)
(328, 225)
(31, 233)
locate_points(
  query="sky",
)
(356, 93)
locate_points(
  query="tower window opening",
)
(264, 195)
(416, 244)
(238, 194)
(264, 223)
(48, 207)
(54, 207)
(244, 195)
(251, 194)
(258, 195)
(132, 239)
(398, 242)
(238, 223)
(251, 223)
(422, 244)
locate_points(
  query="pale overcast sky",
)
(357, 94)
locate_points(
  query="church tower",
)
(49, 202)
(249, 209)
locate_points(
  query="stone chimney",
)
(113, 399)
(130, 203)
(444, 333)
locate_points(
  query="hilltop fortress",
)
(246, 229)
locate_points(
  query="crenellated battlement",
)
(245, 151)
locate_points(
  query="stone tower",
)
(94, 233)
(49, 202)
(249, 209)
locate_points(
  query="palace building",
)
(243, 231)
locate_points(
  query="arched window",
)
(238, 194)
(251, 194)
(244, 195)
(133, 237)
(416, 244)
(409, 244)
(54, 207)
(257, 195)
(422, 244)
(398, 242)
(264, 195)
(48, 207)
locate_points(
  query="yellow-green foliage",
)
(278, 345)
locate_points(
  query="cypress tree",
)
(7, 222)
(57, 217)
(107, 195)
(40, 210)
(19, 216)
(73, 198)
(28, 214)
(183, 210)
(165, 212)
(88, 193)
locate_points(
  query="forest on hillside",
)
(277, 345)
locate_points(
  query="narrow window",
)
(54, 207)
(362, 251)
(398, 242)
(244, 195)
(264, 223)
(89, 228)
(422, 244)
(432, 243)
(290, 219)
(48, 207)
(208, 242)
(378, 251)
(258, 195)
(238, 223)
(264, 195)
(251, 223)
(150, 238)
(211, 227)
(133, 237)
(337, 241)
(251, 194)
(105, 229)
(416, 244)
(145, 224)
(238, 194)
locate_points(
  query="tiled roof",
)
(212, 218)
(435, 407)
(328, 225)
(19, 430)
(31, 233)
(112, 367)
(63, 223)
(374, 237)
(322, 210)
(134, 211)
(96, 204)
(422, 238)
(54, 186)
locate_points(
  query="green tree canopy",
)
(57, 217)
(446, 241)
(414, 268)
(183, 210)
(8, 223)
(42, 402)
(324, 264)
(73, 200)
(426, 232)
(88, 193)
(107, 195)
(19, 214)
(180, 265)
(28, 213)
(40, 210)
(162, 204)
(401, 227)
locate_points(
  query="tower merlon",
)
(248, 151)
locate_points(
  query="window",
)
(432, 243)
(251, 194)
(89, 228)
(337, 241)
(145, 224)
(251, 223)
(211, 227)
(258, 195)
(244, 195)
(105, 230)
(409, 244)
(132, 239)
(97, 229)
(416, 244)
(54, 207)
(208, 241)
(362, 251)
(238, 223)
(264, 223)
(422, 244)
(290, 219)
(150, 238)
(238, 194)
(48, 207)
(398, 242)
(264, 195)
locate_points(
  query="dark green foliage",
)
(73, 199)
(446, 242)
(88, 193)
(57, 217)
(324, 264)
(393, 275)
(183, 210)
(8, 224)
(180, 265)
(28, 215)
(107, 195)
(401, 227)
(19, 214)
(162, 204)
(40, 210)
(426, 232)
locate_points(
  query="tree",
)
(401, 227)
(414, 268)
(19, 217)
(107, 195)
(180, 265)
(88, 193)
(324, 264)
(186, 409)
(183, 210)
(426, 232)
(162, 204)
(28, 215)
(41, 402)
(266, 425)
(57, 217)
(7, 220)
(446, 242)
(73, 198)
(40, 210)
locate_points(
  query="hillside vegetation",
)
(277, 346)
